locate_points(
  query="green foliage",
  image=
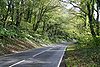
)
(49, 21)
(8, 33)
(19, 18)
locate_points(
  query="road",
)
(41, 57)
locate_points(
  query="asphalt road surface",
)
(41, 57)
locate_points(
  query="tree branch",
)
(78, 7)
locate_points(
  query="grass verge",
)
(83, 57)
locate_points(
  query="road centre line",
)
(41, 52)
(33, 57)
(17, 63)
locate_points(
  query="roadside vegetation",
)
(27, 24)
(84, 57)
(86, 25)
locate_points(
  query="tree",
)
(86, 9)
(97, 19)
(44, 7)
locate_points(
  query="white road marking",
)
(17, 63)
(33, 57)
(61, 58)
(41, 52)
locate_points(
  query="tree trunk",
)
(7, 13)
(97, 20)
(17, 18)
(36, 26)
(90, 16)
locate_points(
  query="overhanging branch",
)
(78, 7)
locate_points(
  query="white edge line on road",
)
(33, 56)
(61, 58)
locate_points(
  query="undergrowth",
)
(83, 57)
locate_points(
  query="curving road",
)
(41, 57)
